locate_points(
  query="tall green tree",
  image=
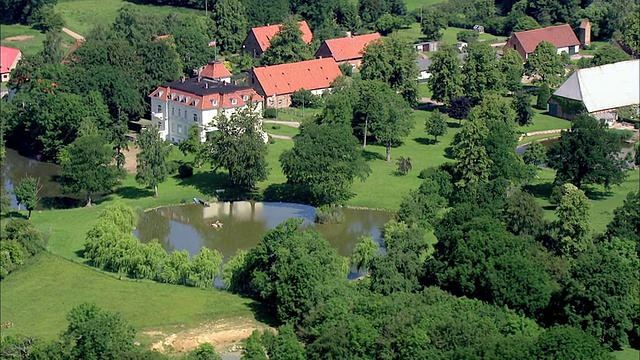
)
(86, 166)
(205, 267)
(325, 159)
(364, 252)
(481, 71)
(94, 333)
(523, 214)
(572, 228)
(239, 147)
(545, 63)
(512, 67)
(473, 163)
(433, 22)
(543, 96)
(194, 145)
(253, 347)
(447, 81)
(27, 193)
(522, 106)
(436, 124)
(192, 36)
(231, 24)
(631, 30)
(152, 160)
(578, 161)
(535, 154)
(53, 52)
(392, 61)
(394, 124)
(287, 346)
(287, 45)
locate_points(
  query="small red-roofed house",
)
(178, 105)
(561, 36)
(215, 70)
(276, 83)
(346, 50)
(9, 58)
(259, 38)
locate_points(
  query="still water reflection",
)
(189, 227)
(17, 167)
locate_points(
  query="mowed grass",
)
(31, 45)
(413, 34)
(627, 354)
(415, 4)
(279, 129)
(37, 298)
(83, 15)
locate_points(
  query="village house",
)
(178, 105)
(9, 58)
(561, 36)
(259, 38)
(276, 83)
(599, 91)
(346, 50)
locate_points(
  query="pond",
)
(17, 167)
(189, 227)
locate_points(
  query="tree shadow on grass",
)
(596, 193)
(61, 202)
(13, 214)
(206, 182)
(132, 192)
(448, 153)
(371, 155)
(264, 313)
(542, 191)
(425, 141)
(453, 125)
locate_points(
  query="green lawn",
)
(297, 114)
(413, 34)
(279, 129)
(415, 4)
(424, 90)
(627, 354)
(82, 15)
(37, 298)
(31, 45)
(543, 121)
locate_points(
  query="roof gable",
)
(8, 57)
(264, 34)
(559, 36)
(215, 70)
(287, 78)
(604, 87)
(350, 47)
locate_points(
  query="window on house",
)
(195, 117)
(234, 101)
(279, 101)
(245, 97)
(179, 112)
(185, 114)
(173, 111)
(159, 108)
(173, 127)
(214, 102)
(179, 129)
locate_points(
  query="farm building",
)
(9, 58)
(561, 36)
(259, 38)
(598, 91)
(346, 50)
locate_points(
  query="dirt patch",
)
(19, 38)
(223, 335)
(130, 160)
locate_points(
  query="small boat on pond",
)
(201, 202)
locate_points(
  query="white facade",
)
(174, 119)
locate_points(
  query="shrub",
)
(305, 98)
(467, 36)
(185, 171)
(346, 69)
(270, 113)
(172, 166)
(327, 214)
(544, 94)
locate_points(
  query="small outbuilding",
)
(599, 91)
(9, 58)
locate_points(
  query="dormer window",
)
(245, 97)
(214, 102)
(234, 101)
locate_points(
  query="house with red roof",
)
(259, 38)
(346, 50)
(178, 105)
(215, 70)
(562, 36)
(9, 58)
(276, 83)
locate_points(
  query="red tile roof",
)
(69, 57)
(287, 78)
(208, 95)
(264, 34)
(7, 58)
(215, 70)
(350, 47)
(560, 36)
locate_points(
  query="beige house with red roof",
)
(276, 83)
(178, 105)
(346, 50)
(562, 36)
(259, 38)
(9, 58)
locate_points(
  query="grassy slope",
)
(28, 47)
(415, 4)
(37, 298)
(627, 354)
(82, 15)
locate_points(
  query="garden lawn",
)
(37, 297)
(279, 129)
(83, 15)
(415, 4)
(297, 114)
(627, 354)
(424, 91)
(413, 34)
(30, 45)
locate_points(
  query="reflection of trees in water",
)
(16, 167)
(244, 224)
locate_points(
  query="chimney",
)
(585, 32)
(182, 79)
(199, 78)
(206, 85)
(235, 82)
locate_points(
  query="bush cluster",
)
(305, 98)
(110, 245)
(18, 242)
(185, 171)
(327, 214)
(270, 113)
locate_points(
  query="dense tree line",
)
(19, 241)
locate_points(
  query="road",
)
(73, 34)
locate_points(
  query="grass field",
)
(415, 4)
(413, 34)
(627, 354)
(82, 15)
(279, 129)
(37, 298)
(31, 42)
